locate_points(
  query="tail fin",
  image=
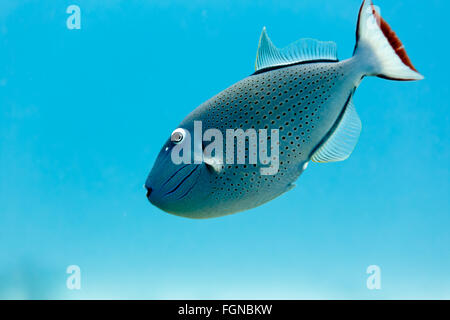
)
(380, 49)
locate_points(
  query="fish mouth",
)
(149, 192)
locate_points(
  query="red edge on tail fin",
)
(393, 39)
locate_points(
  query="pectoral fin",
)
(213, 164)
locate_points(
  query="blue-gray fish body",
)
(306, 96)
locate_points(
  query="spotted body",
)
(305, 94)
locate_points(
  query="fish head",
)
(176, 187)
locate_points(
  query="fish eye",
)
(178, 135)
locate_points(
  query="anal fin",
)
(343, 137)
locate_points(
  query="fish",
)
(301, 94)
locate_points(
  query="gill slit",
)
(192, 187)
(173, 175)
(181, 182)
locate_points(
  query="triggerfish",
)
(299, 101)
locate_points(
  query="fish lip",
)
(149, 191)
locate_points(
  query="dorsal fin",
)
(303, 50)
(343, 138)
